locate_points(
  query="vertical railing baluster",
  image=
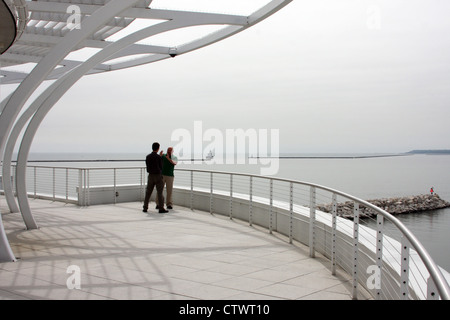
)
(211, 194)
(84, 187)
(35, 183)
(79, 187)
(380, 226)
(333, 234)
(231, 196)
(404, 278)
(355, 250)
(291, 211)
(192, 190)
(271, 206)
(140, 184)
(54, 183)
(67, 184)
(87, 177)
(115, 185)
(312, 221)
(250, 209)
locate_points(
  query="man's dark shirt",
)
(154, 163)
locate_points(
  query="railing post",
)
(87, 183)
(404, 285)
(312, 221)
(211, 194)
(380, 225)
(67, 184)
(291, 210)
(142, 179)
(355, 249)
(192, 190)
(231, 196)
(115, 186)
(80, 187)
(333, 234)
(35, 183)
(86, 187)
(271, 206)
(54, 183)
(250, 209)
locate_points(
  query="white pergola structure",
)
(110, 30)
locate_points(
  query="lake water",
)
(366, 178)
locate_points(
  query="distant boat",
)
(210, 155)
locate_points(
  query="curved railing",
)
(382, 256)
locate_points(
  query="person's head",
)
(169, 151)
(155, 146)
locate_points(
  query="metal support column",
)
(211, 194)
(312, 221)
(271, 206)
(291, 211)
(231, 196)
(192, 190)
(250, 204)
(404, 272)
(333, 234)
(380, 225)
(355, 250)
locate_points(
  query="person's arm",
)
(170, 160)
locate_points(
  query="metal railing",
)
(388, 262)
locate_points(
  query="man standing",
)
(153, 162)
(169, 163)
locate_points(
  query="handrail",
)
(434, 271)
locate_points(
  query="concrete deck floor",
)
(123, 253)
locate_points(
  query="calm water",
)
(366, 178)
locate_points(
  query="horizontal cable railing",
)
(389, 263)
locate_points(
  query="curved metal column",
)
(9, 149)
(39, 74)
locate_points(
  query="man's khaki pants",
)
(168, 182)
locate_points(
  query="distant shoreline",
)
(332, 157)
(119, 157)
(436, 152)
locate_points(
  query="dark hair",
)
(155, 146)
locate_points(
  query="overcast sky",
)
(330, 75)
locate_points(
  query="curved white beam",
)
(9, 150)
(40, 73)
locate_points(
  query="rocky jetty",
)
(392, 205)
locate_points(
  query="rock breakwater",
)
(392, 205)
